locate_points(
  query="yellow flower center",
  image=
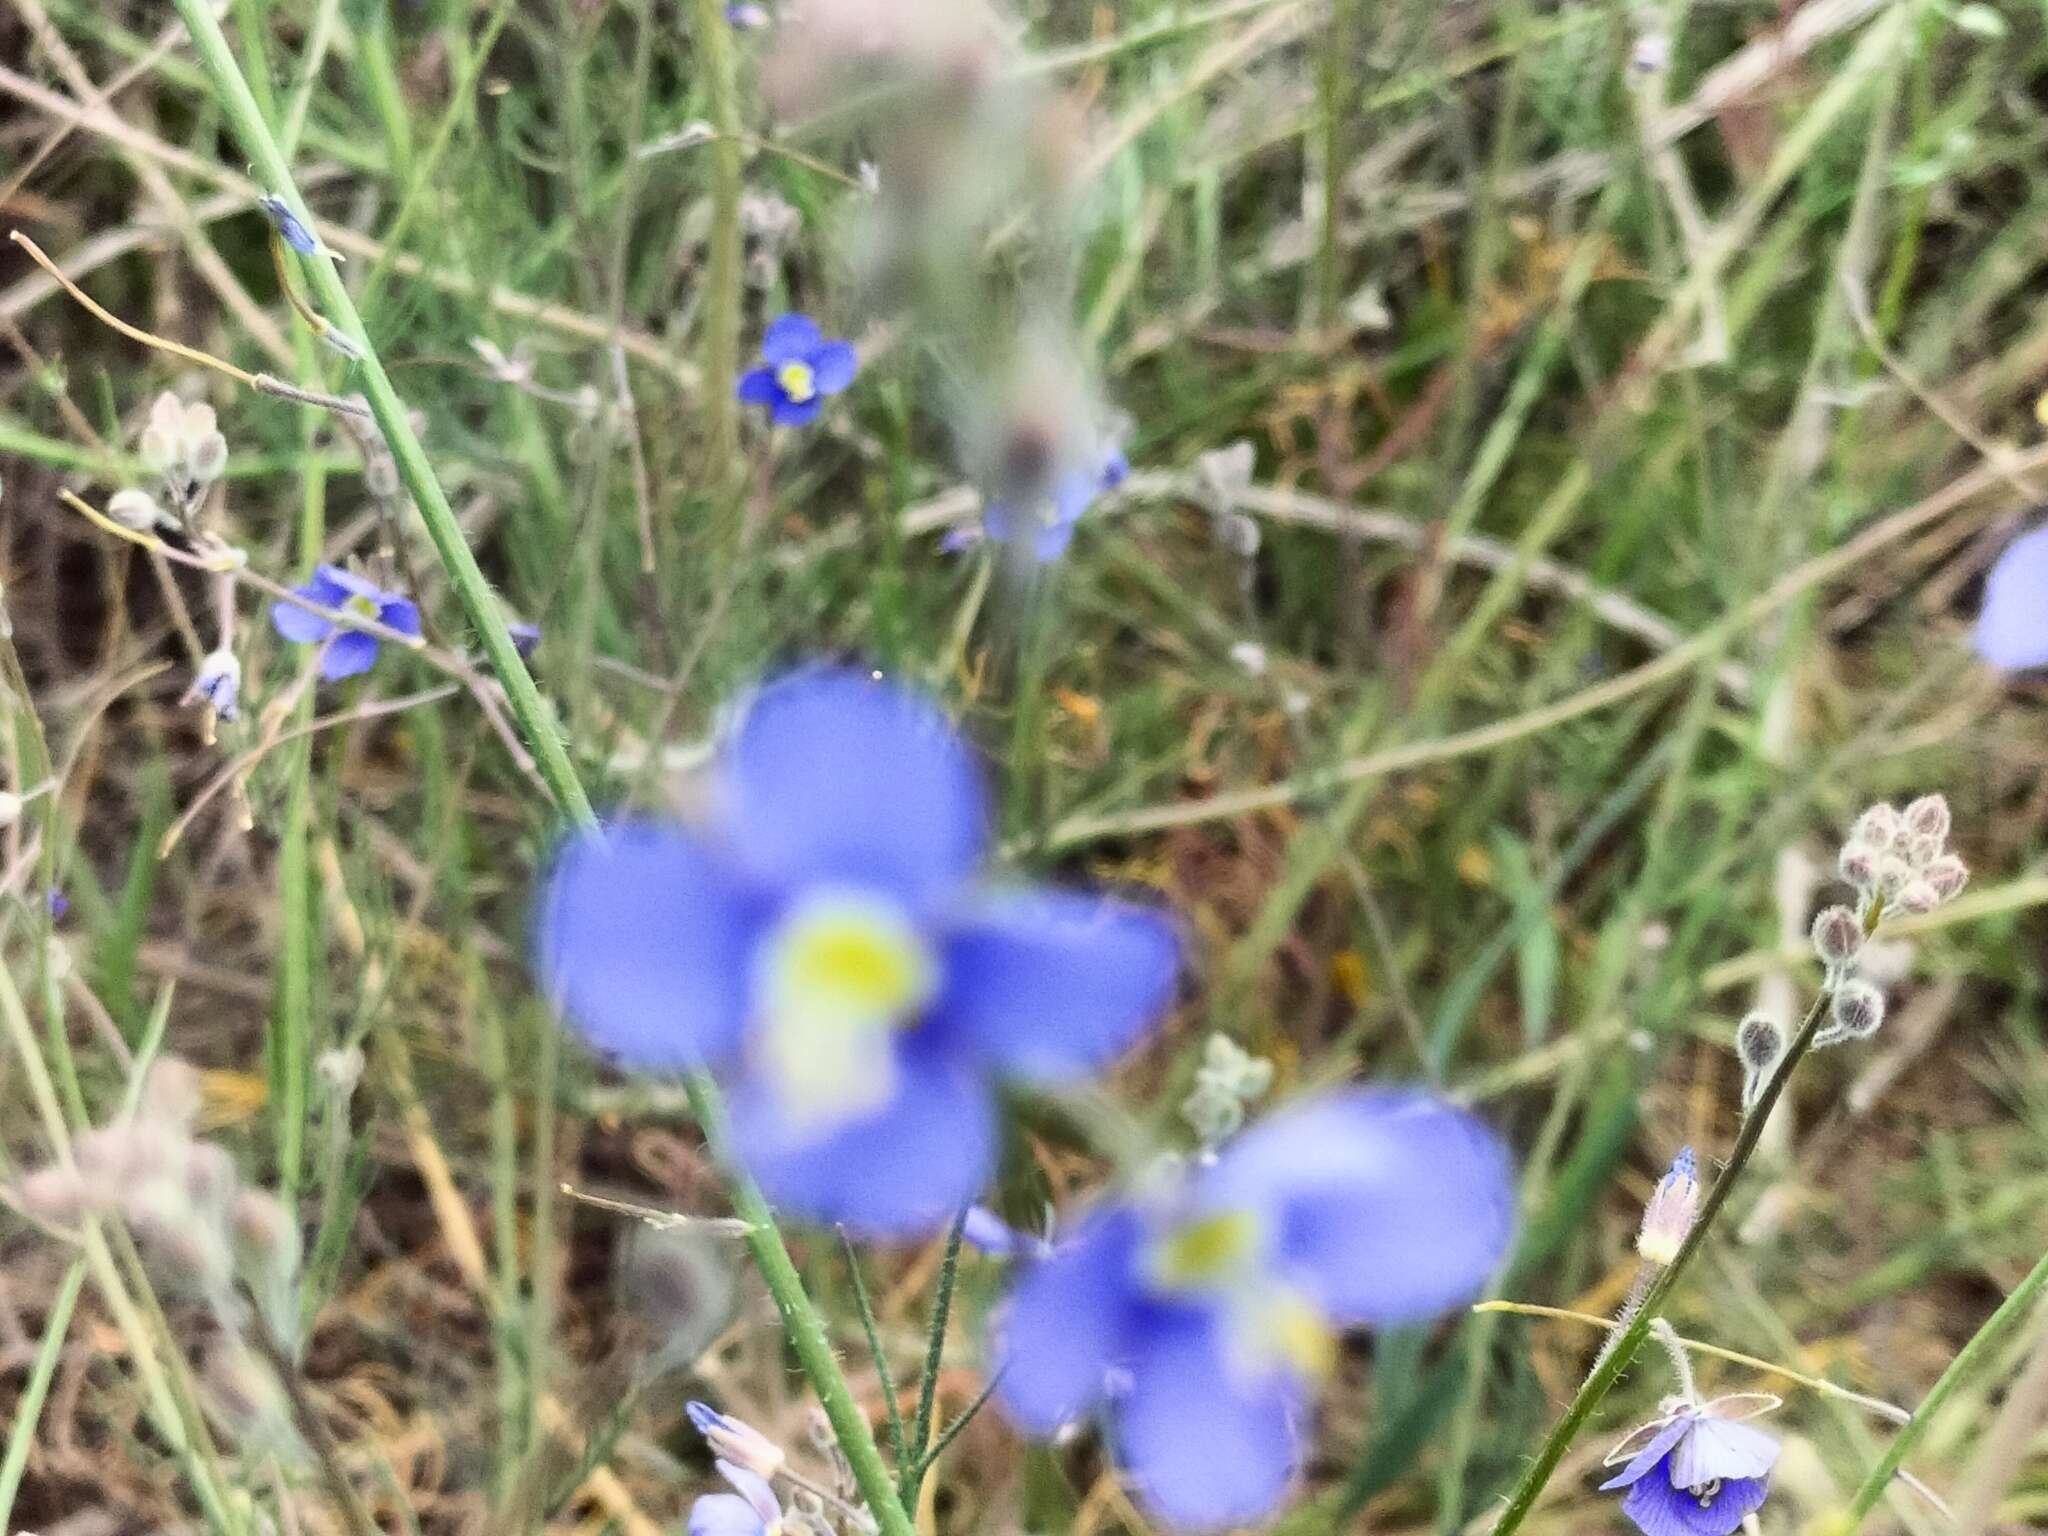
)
(841, 971)
(361, 606)
(798, 381)
(1207, 1254)
(1222, 1256)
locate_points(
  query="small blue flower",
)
(799, 369)
(752, 1511)
(821, 945)
(1198, 1322)
(289, 225)
(351, 651)
(57, 903)
(1699, 1474)
(1047, 536)
(2012, 629)
(525, 639)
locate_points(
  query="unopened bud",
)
(1837, 935)
(736, 1441)
(1928, 817)
(1920, 849)
(219, 683)
(1892, 873)
(134, 510)
(1858, 865)
(1879, 826)
(1759, 1042)
(207, 458)
(1671, 1211)
(1857, 1012)
(1948, 875)
(1917, 897)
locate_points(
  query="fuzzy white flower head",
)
(135, 510)
(183, 443)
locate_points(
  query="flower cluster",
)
(183, 447)
(822, 944)
(1197, 1319)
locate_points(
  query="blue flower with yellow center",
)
(1699, 1473)
(349, 651)
(799, 368)
(1199, 1321)
(822, 944)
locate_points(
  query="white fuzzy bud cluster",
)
(183, 445)
(1227, 1082)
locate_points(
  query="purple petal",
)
(724, 1514)
(300, 626)
(833, 366)
(790, 339)
(350, 654)
(1659, 1509)
(757, 386)
(400, 614)
(987, 1233)
(833, 776)
(2012, 629)
(1717, 1448)
(1394, 1206)
(1206, 1447)
(1658, 1447)
(1069, 1319)
(1052, 542)
(347, 584)
(1051, 984)
(644, 938)
(997, 519)
(795, 413)
(754, 1490)
(904, 1171)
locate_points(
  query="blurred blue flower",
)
(289, 225)
(752, 1511)
(800, 367)
(1047, 537)
(2012, 629)
(57, 903)
(525, 639)
(987, 1233)
(746, 18)
(352, 651)
(1199, 1321)
(1698, 1475)
(820, 945)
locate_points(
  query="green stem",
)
(711, 43)
(29, 1409)
(801, 1323)
(934, 1358)
(1630, 1340)
(1967, 1359)
(806, 1331)
(866, 1308)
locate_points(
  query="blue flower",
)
(57, 903)
(1047, 536)
(1198, 1322)
(525, 639)
(752, 1511)
(1699, 1474)
(799, 369)
(987, 1233)
(289, 225)
(351, 651)
(2012, 629)
(821, 946)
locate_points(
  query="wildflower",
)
(219, 682)
(1759, 1042)
(2012, 626)
(800, 367)
(752, 1511)
(290, 227)
(1048, 532)
(736, 1442)
(1700, 1473)
(820, 944)
(1671, 1210)
(56, 903)
(349, 651)
(183, 444)
(525, 639)
(1200, 1320)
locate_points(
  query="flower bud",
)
(207, 458)
(1759, 1042)
(736, 1441)
(1858, 865)
(219, 683)
(1892, 873)
(1879, 826)
(1917, 897)
(1671, 1211)
(1948, 875)
(1920, 849)
(1858, 1011)
(135, 510)
(1837, 935)
(1929, 817)
(170, 1093)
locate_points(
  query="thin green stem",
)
(1630, 1340)
(934, 1359)
(801, 1323)
(866, 1308)
(28, 1410)
(1967, 1360)
(711, 43)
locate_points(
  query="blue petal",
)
(996, 519)
(753, 1489)
(905, 1171)
(295, 623)
(644, 938)
(1051, 984)
(1070, 1318)
(1052, 542)
(1393, 1205)
(796, 413)
(1719, 1449)
(346, 584)
(724, 1514)
(757, 386)
(790, 339)
(350, 654)
(1658, 1509)
(833, 366)
(1206, 1447)
(833, 776)
(1654, 1451)
(2012, 629)
(400, 614)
